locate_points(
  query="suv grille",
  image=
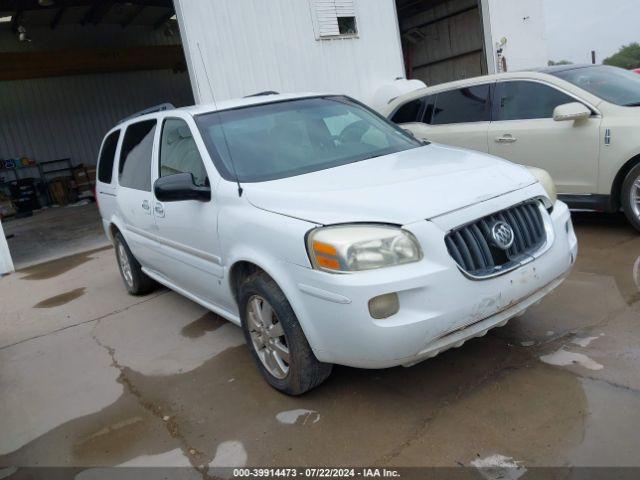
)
(474, 249)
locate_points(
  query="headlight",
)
(546, 181)
(352, 248)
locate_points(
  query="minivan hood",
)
(400, 188)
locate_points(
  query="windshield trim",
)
(231, 176)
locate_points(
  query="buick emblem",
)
(502, 235)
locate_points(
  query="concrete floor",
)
(90, 376)
(53, 233)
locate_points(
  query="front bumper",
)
(440, 307)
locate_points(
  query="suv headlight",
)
(352, 248)
(546, 181)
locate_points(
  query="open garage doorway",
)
(442, 40)
(70, 70)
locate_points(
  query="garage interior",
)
(442, 40)
(71, 69)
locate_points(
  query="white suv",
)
(326, 232)
(580, 123)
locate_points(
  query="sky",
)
(575, 27)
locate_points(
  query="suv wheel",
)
(135, 280)
(275, 338)
(631, 196)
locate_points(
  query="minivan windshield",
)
(612, 84)
(287, 138)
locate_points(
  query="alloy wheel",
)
(634, 192)
(267, 336)
(125, 265)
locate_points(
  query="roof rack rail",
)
(260, 94)
(156, 108)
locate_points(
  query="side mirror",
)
(178, 187)
(571, 111)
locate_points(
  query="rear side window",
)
(135, 156)
(527, 100)
(409, 112)
(464, 105)
(107, 156)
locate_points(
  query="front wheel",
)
(135, 280)
(275, 338)
(631, 196)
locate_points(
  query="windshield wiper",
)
(634, 104)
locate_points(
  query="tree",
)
(627, 57)
(551, 63)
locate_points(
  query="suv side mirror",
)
(178, 187)
(571, 111)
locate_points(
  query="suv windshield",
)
(283, 139)
(612, 84)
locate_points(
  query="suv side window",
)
(135, 156)
(179, 152)
(464, 105)
(409, 112)
(522, 100)
(107, 156)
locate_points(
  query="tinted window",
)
(135, 156)
(287, 138)
(612, 84)
(464, 105)
(409, 112)
(528, 100)
(429, 103)
(107, 156)
(179, 152)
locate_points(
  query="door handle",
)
(145, 204)
(506, 138)
(159, 209)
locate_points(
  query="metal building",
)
(235, 48)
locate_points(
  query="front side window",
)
(527, 100)
(179, 152)
(107, 156)
(135, 156)
(283, 139)
(464, 105)
(612, 84)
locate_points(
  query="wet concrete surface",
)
(54, 232)
(109, 379)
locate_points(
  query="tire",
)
(135, 280)
(630, 199)
(298, 370)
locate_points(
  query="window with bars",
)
(335, 18)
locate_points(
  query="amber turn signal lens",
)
(324, 248)
(326, 255)
(326, 262)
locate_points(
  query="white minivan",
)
(330, 235)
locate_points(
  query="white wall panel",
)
(235, 48)
(522, 24)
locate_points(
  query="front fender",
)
(274, 243)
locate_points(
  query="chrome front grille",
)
(477, 253)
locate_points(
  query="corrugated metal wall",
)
(52, 118)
